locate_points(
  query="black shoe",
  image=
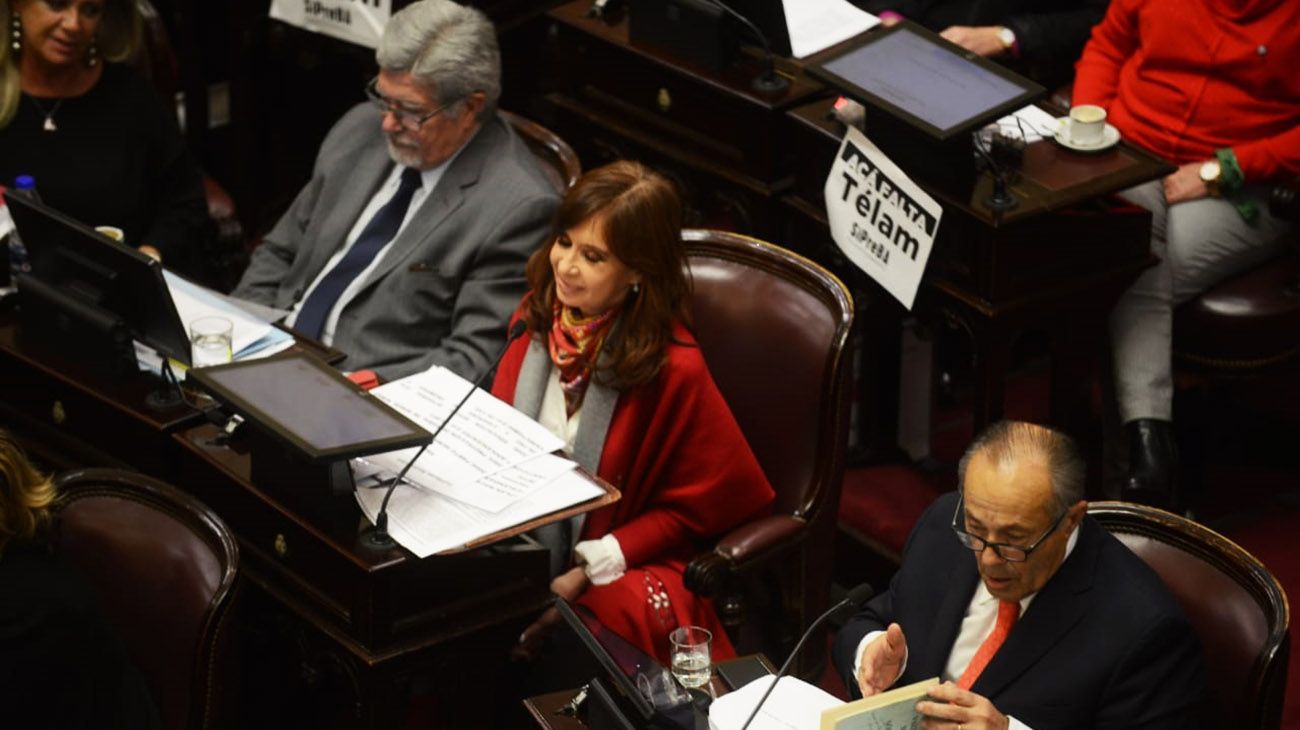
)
(1152, 463)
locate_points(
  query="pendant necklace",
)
(49, 125)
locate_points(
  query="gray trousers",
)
(1199, 243)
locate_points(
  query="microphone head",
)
(858, 595)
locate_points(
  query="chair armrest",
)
(709, 573)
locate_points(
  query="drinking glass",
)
(210, 339)
(691, 662)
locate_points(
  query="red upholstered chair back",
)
(164, 567)
(773, 328)
(1236, 606)
(557, 158)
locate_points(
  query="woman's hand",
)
(570, 586)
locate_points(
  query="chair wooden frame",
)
(548, 148)
(205, 687)
(800, 530)
(1260, 705)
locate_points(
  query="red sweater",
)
(1182, 78)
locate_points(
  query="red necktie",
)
(1008, 612)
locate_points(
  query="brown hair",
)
(641, 218)
(26, 495)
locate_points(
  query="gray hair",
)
(1010, 441)
(450, 48)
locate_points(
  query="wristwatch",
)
(1007, 38)
(1212, 176)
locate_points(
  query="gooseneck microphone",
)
(377, 537)
(767, 82)
(856, 597)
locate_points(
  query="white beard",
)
(404, 156)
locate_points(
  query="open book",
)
(892, 710)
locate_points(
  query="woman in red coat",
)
(610, 366)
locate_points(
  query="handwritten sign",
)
(355, 21)
(882, 221)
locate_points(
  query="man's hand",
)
(959, 709)
(1185, 184)
(882, 661)
(982, 40)
(149, 251)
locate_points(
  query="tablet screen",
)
(312, 406)
(933, 84)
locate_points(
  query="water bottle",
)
(25, 186)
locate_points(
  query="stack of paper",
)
(793, 705)
(490, 468)
(252, 337)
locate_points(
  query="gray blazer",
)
(445, 290)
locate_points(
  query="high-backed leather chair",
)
(773, 328)
(559, 161)
(1236, 606)
(164, 566)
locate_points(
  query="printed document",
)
(816, 25)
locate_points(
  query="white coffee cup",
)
(1087, 124)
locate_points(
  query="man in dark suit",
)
(1049, 623)
(407, 247)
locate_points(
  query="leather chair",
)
(1236, 606)
(164, 566)
(773, 327)
(558, 160)
(1248, 324)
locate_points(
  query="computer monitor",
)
(930, 84)
(95, 280)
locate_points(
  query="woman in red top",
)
(1211, 86)
(612, 368)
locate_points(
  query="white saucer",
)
(1109, 138)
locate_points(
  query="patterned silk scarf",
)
(575, 344)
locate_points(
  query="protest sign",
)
(355, 21)
(882, 221)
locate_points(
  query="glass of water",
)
(692, 665)
(210, 339)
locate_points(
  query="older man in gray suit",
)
(407, 247)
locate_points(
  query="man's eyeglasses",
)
(1009, 553)
(410, 119)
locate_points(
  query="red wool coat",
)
(686, 475)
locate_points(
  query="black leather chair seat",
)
(1249, 321)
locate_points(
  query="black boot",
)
(1152, 463)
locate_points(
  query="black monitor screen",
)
(310, 405)
(95, 270)
(929, 82)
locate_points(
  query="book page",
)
(892, 710)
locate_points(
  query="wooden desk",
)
(757, 165)
(1053, 264)
(331, 632)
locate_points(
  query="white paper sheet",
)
(793, 705)
(193, 301)
(426, 522)
(485, 436)
(816, 25)
(1031, 121)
